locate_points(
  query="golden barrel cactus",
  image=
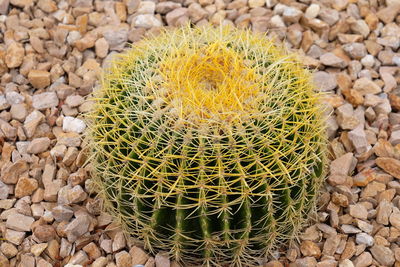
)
(208, 144)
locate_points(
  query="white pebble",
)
(71, 124)
(368, 61)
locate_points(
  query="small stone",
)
(39, 78)
(360, 27)
(384, 210)
(11, 174)
(37, 249)
(167, 6)
(329, 16)
(19, 222)
(366, 86)
(44, 233)
(383, 255)
(38, 145)
(395, 137)
(48, 6)
(62, 213)
(343, 165)
(25, 187)
(309, 248)
(14, 237)
(277, 22)
(273, 264)
(123, 259)
(359, 139)
(291, 15)
(146, 21)
(312, 11)
(14, 98)
(76, 194)
(101, 48)
(32, 121)
(78, 259)
(324, 81)
(9, 250)
(69, 139)
(27, 260)
(389, 165)
(355, 50)
(368, 61)
(358, 211)
(19, 112)
(71, 124)
(77, 227)
(394, 218)
(118, 242)
(162, 260)
(14, 55)
(146, 7)
(350, 229)
(116, 38)
(84, 43)
(177, 16)
(330, 59)
(138, 255)
(45, 100)
(364, 239)
(306, 262)
(100, 262)
(364, 260)
(388, 14)
(4, 191)
(92, 250)
(346, 263)
(4, 6)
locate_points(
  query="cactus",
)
(208, 144)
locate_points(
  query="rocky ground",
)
(51, 54)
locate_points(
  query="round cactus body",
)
(208, 144)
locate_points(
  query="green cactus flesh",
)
(208, 144)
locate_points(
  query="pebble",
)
(102, 47)
(383, 255)
(364, 239)
(77, 227)
(4, 190)
(116, 37)
(312, 11)
(330, 59)
(364, 260)
(14, 55)
(39, 78)
(162, 260)
(146, 21)
(359, 139)
(123, 259)
(38, 145)
(324, 81)
(389, 165)
(366, 86)
(44, 233)
(138, 255)
(25, 187)
(71, 124)
(19, 222)
(309, 248)
(45, 100)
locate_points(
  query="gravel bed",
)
(51, 56)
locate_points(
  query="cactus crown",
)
(209, 144)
